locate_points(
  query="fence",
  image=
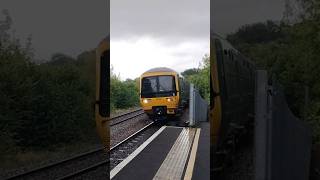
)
(282, 141)
(198, 107)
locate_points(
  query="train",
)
(232, 87)
(163, 93)
(102, 101)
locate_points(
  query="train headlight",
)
(169, 99)
(145, 101)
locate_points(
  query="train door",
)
(219, 90)
(102, 105)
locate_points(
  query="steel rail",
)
(105, 162)
(81, 155)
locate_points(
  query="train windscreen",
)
(158, 86)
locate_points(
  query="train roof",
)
(160, 69)
(226, 45)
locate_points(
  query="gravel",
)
(121, 118)
(121, 131)
(101, 172)
(241, 166)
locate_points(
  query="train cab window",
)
(158, 86)
(166, 83)
(149, 84)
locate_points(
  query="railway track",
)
(125, 117)
(54, 170)
(83, 163)
(105, 163)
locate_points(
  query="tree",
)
(200, 77)
(42, 105)
(292, 58)
(190, 72)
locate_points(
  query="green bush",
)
(200, 77)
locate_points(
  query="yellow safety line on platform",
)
(173, 165)
(189, 171)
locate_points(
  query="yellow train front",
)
(160, 94)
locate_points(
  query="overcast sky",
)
(175, 34)
(144, 33)
(158, 33)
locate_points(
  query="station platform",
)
(171, 153)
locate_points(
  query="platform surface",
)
(172, 153)
(202, 163)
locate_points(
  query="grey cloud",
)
(229, 15)
(168, 19)
(59, 26)
(75, 25)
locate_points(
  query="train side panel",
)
(215, 98)
(102, 110)
(235, 76)
(184, 87)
